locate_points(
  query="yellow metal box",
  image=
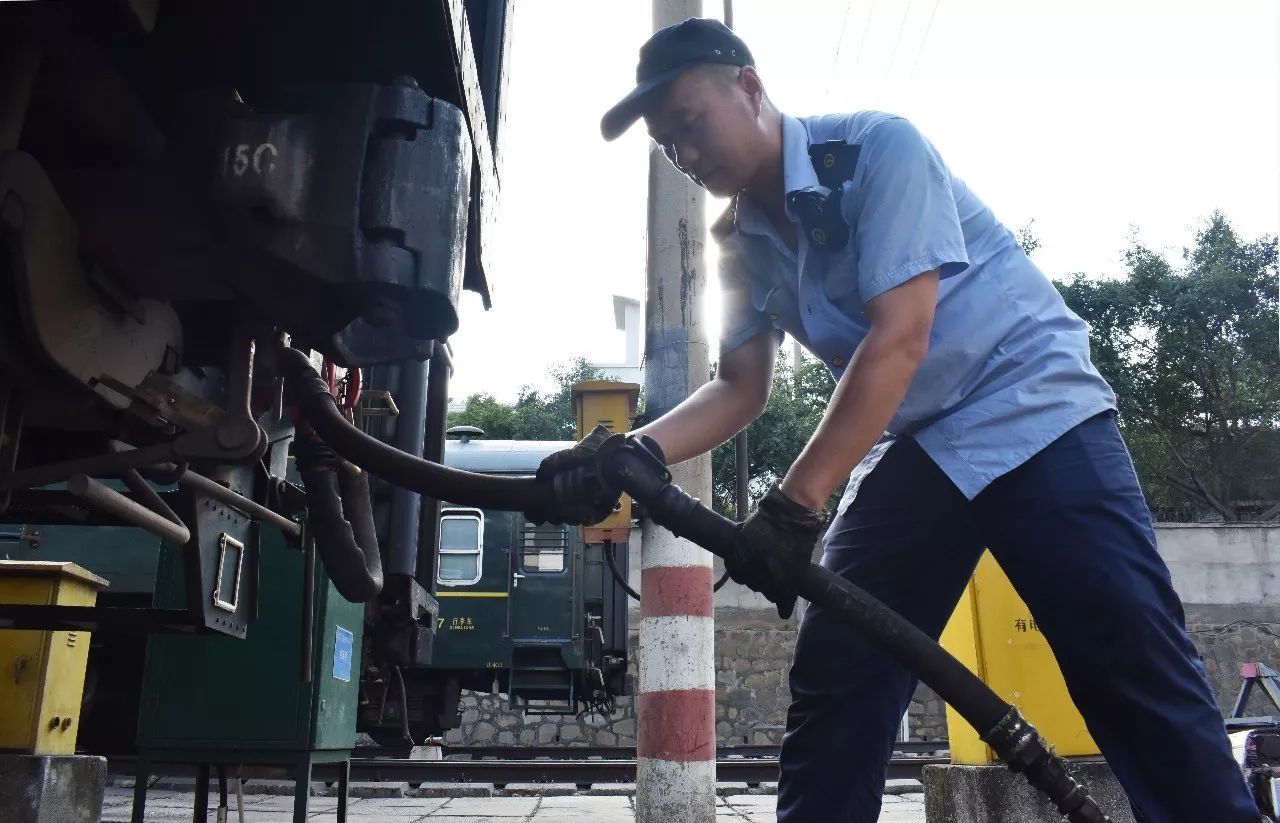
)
(42, 672)
(993, 633)
(612, 405)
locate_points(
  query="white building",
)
(630, 321)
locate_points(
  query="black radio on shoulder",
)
(834, 162)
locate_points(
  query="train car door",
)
(543, 585)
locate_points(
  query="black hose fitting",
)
(340, 518)
(1022, 748)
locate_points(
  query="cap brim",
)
(630, 109)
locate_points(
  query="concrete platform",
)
(166, 806)
(51, 788)
(993, 794)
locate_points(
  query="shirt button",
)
(773, 316)
(837, 361)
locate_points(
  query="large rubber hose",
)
(1007, 732)
(320, 410)
(340, 518)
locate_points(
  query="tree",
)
(535, 415)
(1192, 353)
(797, 402)
(1027, 239)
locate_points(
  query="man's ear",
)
(749, 80)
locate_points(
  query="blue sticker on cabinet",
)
(342, 654)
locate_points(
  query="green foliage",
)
(796, 404)
(1192, 352)
(535, 415)
(1026, 239)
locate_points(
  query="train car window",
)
(461, 546)
(542, 548)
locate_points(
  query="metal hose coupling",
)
(637, 466)
(1021, 747)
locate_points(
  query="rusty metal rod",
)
(117, 505)
(100, 465)
(257, 511)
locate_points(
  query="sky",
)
(1099, 120)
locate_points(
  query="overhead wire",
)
(911, 78)
(835, 60)
(893, 55)
(866, 27)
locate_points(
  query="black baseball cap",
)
(668, 52)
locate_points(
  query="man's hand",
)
(577, 496)
(774, 545)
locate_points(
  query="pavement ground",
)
(615, 806)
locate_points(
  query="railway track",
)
(581, 766)
(563, 750)
(749, 770)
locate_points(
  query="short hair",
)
(722, 74)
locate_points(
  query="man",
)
(850, 233)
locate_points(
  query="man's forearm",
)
(865, 400)
(707, 418)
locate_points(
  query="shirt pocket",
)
(840, 283)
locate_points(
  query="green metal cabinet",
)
(223, 700)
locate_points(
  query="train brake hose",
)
(631, 468)
(309, 393)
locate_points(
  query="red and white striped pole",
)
(676, 741)
(676, 736)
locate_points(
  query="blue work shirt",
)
(1008, 369)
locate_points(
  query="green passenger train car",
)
(529, 607)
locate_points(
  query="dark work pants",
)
(1071, 529)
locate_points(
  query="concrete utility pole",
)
(676, 738)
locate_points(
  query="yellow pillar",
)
(993, 633)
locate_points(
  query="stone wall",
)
(1228, 577)
(751, 699)
(752, 656)
(487, 721)
(1224, 643)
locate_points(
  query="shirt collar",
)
(797, 175)
(797, 167)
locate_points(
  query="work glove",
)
(575, 494)
(774, 545)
